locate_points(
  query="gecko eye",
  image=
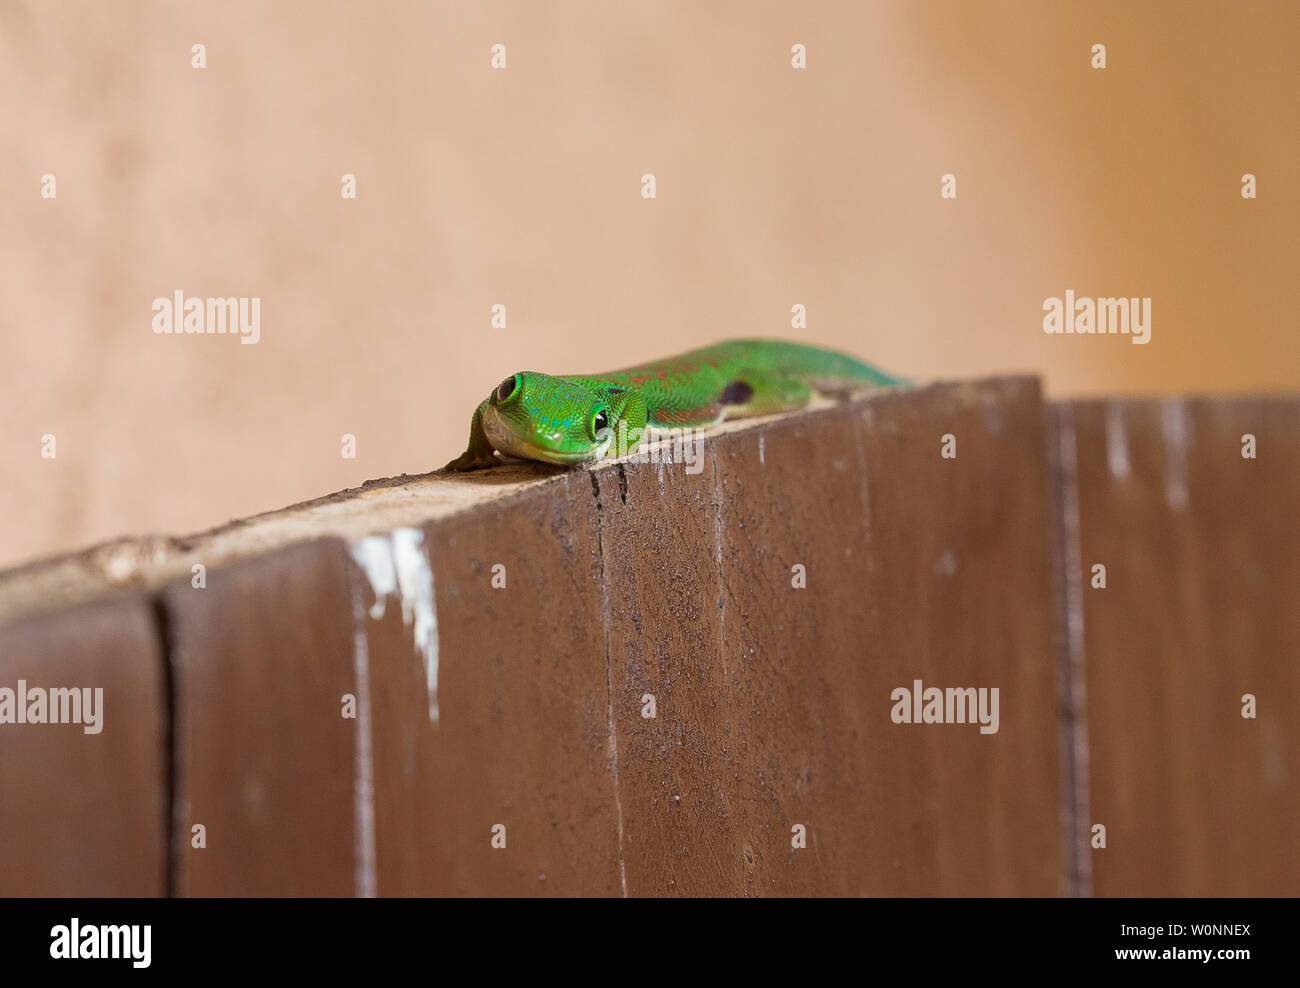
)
(507, 387)
(599, 421)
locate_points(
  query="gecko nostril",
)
(507, 387)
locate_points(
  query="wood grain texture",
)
(522, 736)
(918, 568)
(85, 814)
(355, 714)
(261, 659)
(679, 779)
(1202, 556)
(774, 705)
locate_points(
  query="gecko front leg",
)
(478, 455)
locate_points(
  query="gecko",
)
(572, 418)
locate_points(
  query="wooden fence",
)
(685, 678)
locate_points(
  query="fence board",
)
(1202, 556)
(85, 814)
(918, 568)
(370, 682)
(521, 738)
(262, 657)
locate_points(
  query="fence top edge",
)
(145, 564)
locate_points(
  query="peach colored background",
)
(522, 187)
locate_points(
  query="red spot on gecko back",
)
(700, 415)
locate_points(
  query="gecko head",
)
(557, 420)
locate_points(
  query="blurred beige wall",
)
(521, 186)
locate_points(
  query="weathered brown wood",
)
(678, 776)
(359, 701)
(774, 702)
(85, 814)
(1202, 556)
(918, 568)
(261, 659)
(522, 736)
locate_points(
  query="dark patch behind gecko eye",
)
(736, 393)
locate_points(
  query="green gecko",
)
(573, 418)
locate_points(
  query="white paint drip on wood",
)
(1117, 441)
(375, 557)
(398, 564)
(1177, 428)
(365, 880)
